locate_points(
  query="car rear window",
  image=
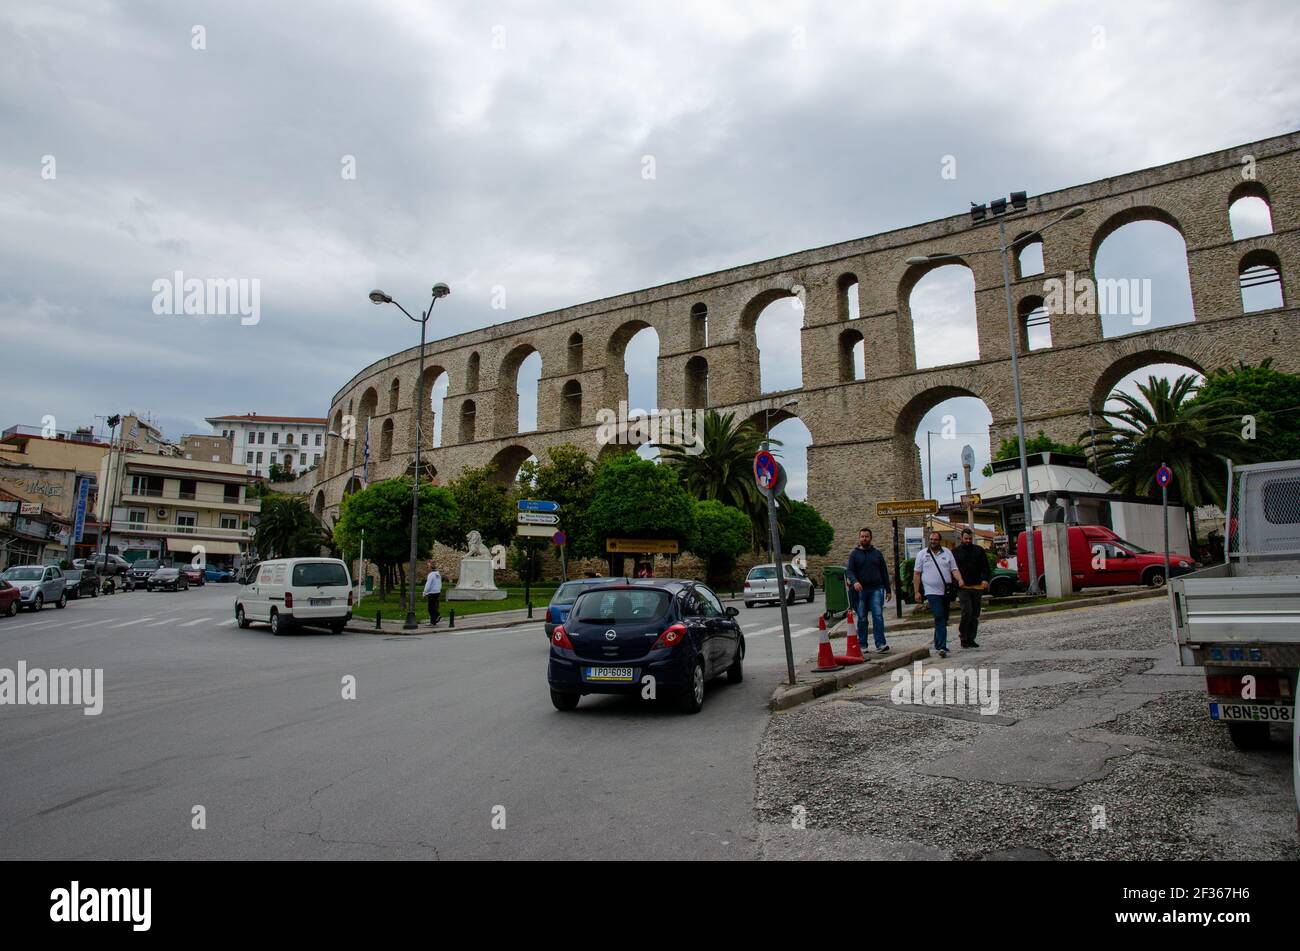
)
(622, 604)
(322, 573)
(766, 571)
(568, 593)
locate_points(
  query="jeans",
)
(872, 600)
(432, 600)
(970, 615)
(939, 608)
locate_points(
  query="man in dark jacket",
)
(973, 564)
(868, 579)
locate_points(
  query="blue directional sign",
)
(1164, 475)
(538, 505)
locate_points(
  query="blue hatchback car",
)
(618, 635)
(558, 610)
(215, 573)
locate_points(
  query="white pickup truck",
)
(1241, 620)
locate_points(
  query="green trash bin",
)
(837, 598)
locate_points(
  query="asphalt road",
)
(446, 732)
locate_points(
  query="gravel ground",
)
(1177, 790)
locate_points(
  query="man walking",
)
(868, 576)
(935, 569)
(432, 594)
(974, 567)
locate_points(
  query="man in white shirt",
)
(432, 594)
(935, 568)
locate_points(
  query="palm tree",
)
(1167, 425)
(288, 527)
(723, 469)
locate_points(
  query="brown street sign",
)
(972, 499)
(641, 546)
(906, 507)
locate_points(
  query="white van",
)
(290, 592)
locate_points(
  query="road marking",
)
(139, 620)
(226, 623)
(199, 620)
(16, 627)
(165, 620)
(103, 620)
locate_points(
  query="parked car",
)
(38, 585)
(114, 565)
(218, 574)
(675, 631)
(292, 592)
(10, 599)
(167, 579)
(1005, 581)
(193, 574)
(760, 585)
(138, 576)
(1121, 562)
(565, 595)
(79, 582)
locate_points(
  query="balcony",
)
(198, 532)
(199, 499)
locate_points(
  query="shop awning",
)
(210, 546)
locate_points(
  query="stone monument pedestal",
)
(1056, 559)
(476, 582)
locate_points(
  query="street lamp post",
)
(379, 297)
(999, 210)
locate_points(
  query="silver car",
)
(38, 585)
(760, 585)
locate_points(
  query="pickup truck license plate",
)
(621, 675)
(320, 602)
(1252, 712)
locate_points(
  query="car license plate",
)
(618, 675)
(1252, 712)
(320, 602)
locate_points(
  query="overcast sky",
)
(501, 148)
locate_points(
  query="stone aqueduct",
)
(862, 429)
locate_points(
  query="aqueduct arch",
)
(862, 428)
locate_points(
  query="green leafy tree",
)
(383, 511)
(722, 533)
(1010, 449)
(803, 525)
(1164, 424)
(1271, 397)
(723, 469)
(569, 479)
(279, 473)
(288, 529)
(485, 505)
(635, 498)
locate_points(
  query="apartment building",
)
(166, 507)
(206, 448)
(41, 471)
(295, 443)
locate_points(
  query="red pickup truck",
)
(1100, 558)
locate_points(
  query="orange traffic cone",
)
(821, 622)
(848, 619)
(825, 656)
(853, 655)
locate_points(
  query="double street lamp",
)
(999, 209)
(379, 297)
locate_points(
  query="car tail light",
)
(675, 634)
(1230, 685)
(746, 582)
(350, 602)
(288, 599)
(549, 619)
(560, 638)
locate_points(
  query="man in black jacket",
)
(973, 564)
(868, 579)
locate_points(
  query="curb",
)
(785, 696)
(367, 626)
(925, 621)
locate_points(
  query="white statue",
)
(476, 582)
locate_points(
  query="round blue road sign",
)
(1164, 475)
(766, 469)
(558, 539)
